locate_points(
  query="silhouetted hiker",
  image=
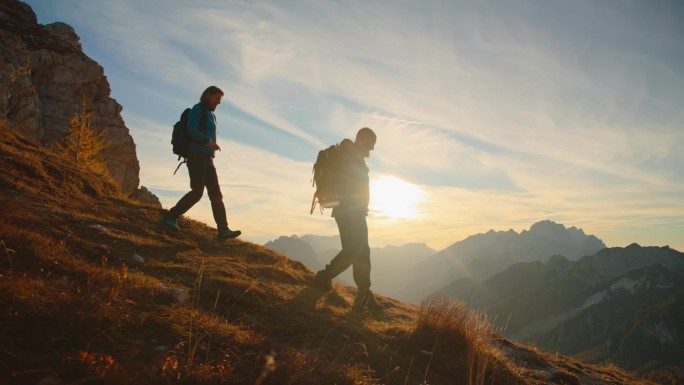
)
(201, 166)
(350, 216)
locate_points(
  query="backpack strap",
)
(185, 160)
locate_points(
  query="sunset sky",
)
(489, 114)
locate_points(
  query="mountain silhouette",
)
(482, 255)
(621, 304)
(296, 249)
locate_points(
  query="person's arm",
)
(194, 121)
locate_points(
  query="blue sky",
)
(492, 114)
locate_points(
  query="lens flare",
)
(393, 198)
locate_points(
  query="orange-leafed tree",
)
(83, 144)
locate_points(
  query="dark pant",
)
(355, 251)
(202, 174)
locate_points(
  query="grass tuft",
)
(456, 337)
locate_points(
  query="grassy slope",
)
(77, 308)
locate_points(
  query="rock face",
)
(44, 79)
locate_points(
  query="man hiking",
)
(202, 130)
(350, 216)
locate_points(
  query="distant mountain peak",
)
(547, 225)
(485, 254)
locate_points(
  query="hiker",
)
(350, 216)
(200, 165)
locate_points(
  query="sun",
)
(394, 198)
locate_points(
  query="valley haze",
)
(500, 114)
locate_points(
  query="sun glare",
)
(394, 198)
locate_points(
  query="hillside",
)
(94, 292)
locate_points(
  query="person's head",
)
(365, 139)
(211, 97)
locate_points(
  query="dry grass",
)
(463, 340)
(77, 308)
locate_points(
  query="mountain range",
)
(413, 271)
(620, 304)
(482, 255)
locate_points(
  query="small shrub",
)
(83, 144)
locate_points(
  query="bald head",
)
(365, 140)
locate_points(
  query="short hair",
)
(211, 90)
(367, 132)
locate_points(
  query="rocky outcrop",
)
(44, 79)
(145, 196)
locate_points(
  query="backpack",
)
(181, 139)
(326, 172)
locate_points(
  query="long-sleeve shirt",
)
(200, 138)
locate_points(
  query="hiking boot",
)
(228, 234)
(366, 300)
(170, 223)
(321, 281)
